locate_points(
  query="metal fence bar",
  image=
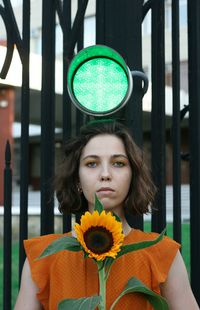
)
(112, 29)
(24, 142)
(80, 42)
(47, 115)
(176, 123)
(158, 114)
(194, 136)
(134, 60)
(70, 37)
(23, 46)
(66, 117)
(7, 241)
(100, 21)
(67, 124)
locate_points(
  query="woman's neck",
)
(125, 226)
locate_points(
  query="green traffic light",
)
(99, 82)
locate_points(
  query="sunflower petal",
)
(100, 235)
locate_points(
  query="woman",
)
(104, 160)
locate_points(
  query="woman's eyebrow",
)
(119, 155)
(90, 156)
(112, 156)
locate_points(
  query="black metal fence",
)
(118, 25)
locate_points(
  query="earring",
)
(79, 188)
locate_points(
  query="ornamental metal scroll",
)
(13, 35)
(14, 38)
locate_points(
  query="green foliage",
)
(85, 303)
(14, 275)
(130, 248)
(116, 217)
(140, 245)
(63, 243)
(98, 205)
(136, 286)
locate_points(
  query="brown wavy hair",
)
(142, 190)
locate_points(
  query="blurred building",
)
(8, 114)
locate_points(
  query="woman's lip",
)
(105, 189)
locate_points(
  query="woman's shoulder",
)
(48, 237)
(34, 246)
(159, 256)
(137, 235)
(162, 247)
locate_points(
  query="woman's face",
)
(105, 170)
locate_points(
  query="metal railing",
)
(118, 25)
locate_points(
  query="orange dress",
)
(69, 275)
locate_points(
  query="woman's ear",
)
(79, 188)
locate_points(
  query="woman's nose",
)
(105, 178)
(105, 174)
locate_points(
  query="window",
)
(16, 2)
(183, 13)
(36, 44)
(146, 25)
(89, 31)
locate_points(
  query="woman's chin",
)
(106, 202)
(108, 205)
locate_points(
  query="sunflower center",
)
(98, 239)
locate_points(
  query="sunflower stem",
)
(102, 288)
(108, 270)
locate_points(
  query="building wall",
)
(36, 20)
(7, 97)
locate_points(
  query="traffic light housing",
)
(99, 81)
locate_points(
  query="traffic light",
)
(99, 81)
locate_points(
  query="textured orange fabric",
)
(69, 275)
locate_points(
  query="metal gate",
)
(118, 25)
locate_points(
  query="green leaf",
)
(117, 217)
(100, 265)
(85, 253)
(140, 245)
(98, 205)
(107, 265)
(136, 286)
(63, 243)
(108, 261)
(85, 303)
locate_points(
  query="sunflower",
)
(100, 235)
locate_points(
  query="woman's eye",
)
(92, 164)
(118, 164)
